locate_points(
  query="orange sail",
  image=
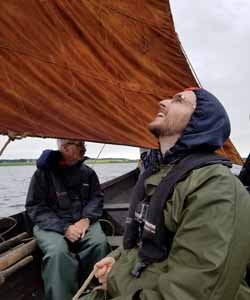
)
(92, 70)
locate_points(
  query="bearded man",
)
(187, 237)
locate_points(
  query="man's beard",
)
(154, 130)
(159, 130)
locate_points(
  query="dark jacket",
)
(84, 198)
(209, 216)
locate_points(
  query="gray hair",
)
(61, 142)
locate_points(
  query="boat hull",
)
(26, 283)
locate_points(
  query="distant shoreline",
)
(22, 162)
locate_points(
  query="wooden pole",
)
(8, 272)
(13, 256)
(12, 249)
(84, 286)
(12, 242)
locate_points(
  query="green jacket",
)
(210, 215)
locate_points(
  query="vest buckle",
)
(138, 269)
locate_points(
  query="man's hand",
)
(82, 225)
(102, 269)
(73, 233)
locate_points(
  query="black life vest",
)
(154, 236)
(68, 197)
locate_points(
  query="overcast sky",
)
(216, 37)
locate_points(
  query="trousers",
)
(65, 267)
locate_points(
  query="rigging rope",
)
(189, 63)
(94, 163)
(5, 145)
(11, 137)
(110, 224)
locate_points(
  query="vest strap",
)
(156, 239)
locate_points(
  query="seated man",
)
(191, 242)
(64, 202)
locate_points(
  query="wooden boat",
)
(91, 70)
(25, 282)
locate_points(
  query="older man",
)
(64, 202)
(188, 240)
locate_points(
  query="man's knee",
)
(99, 242)
(58, 249)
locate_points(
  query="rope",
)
(11, 137)
(110, 224)
(5, 145)
(9, 229)
(94, 163)
(189, 63)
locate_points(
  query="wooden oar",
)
(11, 250)
(13, 241)
(12, 257)
(22, 263)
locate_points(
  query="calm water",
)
(14, 182)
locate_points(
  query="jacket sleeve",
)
(210, 249)
(94, 207)
(201, 262)
(38, 210)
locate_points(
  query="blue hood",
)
(49, 159)
(207, 129)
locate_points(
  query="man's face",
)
(74, 151)
(174, 115)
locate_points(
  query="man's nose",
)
(164, 103)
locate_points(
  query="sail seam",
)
(126, 14)
(67, 68)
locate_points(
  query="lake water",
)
(14, 183)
